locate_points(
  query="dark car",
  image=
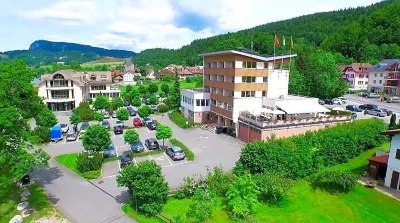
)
(106, 124)
(321, 102)
(118, 130)
(110, 151)
(363, 94)
(84, 126)
(126, 103)
(353, 115)
(176, 153)
(152, 143)
(137, 146)
(353, 108)
(328, 102)
(154, 108)
(152, 126)
(388, 112)
(132, 112)
(368, 106)
(126, 158)
(145, 100)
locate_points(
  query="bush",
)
(332, 112)
(190, 184)
(179, 194)
(90, 101)
(31, 137)
(300, 156)
(84, 112)
(179, 120)
(218, 180)
(162, 108)
(85, 164)
(90, 175)
(43, 133)
(272, 187)
(188, 152)
(202, 206)
(335, 181)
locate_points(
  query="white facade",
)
(376, 81)
(107, 90)
(393, 166)
(194, 103)
(278, 83)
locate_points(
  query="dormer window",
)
(93, 77)
(58, 77)
(103, 77)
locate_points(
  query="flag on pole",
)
(291, 43)
(277, 43)
(283, 42)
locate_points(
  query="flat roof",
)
(270, 58)
(195, 90)
(380, 159)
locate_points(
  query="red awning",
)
(380, 159)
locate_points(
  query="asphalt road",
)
(357, 100)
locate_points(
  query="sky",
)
(137, 25)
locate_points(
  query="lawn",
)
(304, 204)
(183, 85)
(69, 161)
(10, 196)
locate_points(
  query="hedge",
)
(179, 120)
(300, 156)
(188, 152)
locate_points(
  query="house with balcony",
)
(356, 75)
(65, 89)
(392, 161)
(384, 77)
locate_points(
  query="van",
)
(393, 100)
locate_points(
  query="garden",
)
(307, 178)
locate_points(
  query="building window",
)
(58, 77)
(230, 107)
(98, 88)
(72, 83)
(374, 81)
(248, 79)
(381, 75)
(93, 77)
(60, 94)
(360, 82)
(213, 102)
(207, 102)
(191, 114)
(366, 82)
(265, 65)
(248, 94)
(197, 102)
(380, 81)
(398, 154)
(103, 77)
(265, 79)
(249, 64)
(264, 93)
(277, 66)
(375, 74)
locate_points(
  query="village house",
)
(356, 75)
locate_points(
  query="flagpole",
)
(273, 68)
(283, 48)
(290, 52)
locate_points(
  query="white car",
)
(337, 101)
(64, 128)
(344, 99)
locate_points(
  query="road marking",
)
(134, 160)
(116, 151)
(119, 166)
(178, 164)
(110, 176)
(150, 157)
(168, 159)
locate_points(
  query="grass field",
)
(304, 204)
(69, 161)
(183, 85)
(106, 61)
(10, 196)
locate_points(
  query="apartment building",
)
(356, 75)
(384, 77)
(65, 89)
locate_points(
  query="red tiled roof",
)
(380, 159)
(115, 72)
(119, 78)
(195, 70)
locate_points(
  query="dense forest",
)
(365, 34)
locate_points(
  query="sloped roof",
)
(80, 77)
(383, 65)
(380, 159)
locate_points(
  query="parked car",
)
(83, 126)
(106, 124)
(110, 151)
(114, 114)
(154, 108)
(353, 115)
(337, 101)
(127, 103)
(152, 143)
(118, 130)
(344, 99)
(137, 146)
(363, 94)
(388, 112)
(152, 125)
(353, 108)
(372, 95)
(328, 101)
(132, 112)
(119, 123)
(376, 112)
(106, 115)
(145, 101)
(126, 158)
(321, 102)
(351, 92)
(137, 122)
(64, 128)
(368, 106)
(176, 153)
(71, 136)
(147, 120)
(393, 100)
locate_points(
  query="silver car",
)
(64, 128)
(106, 115)
(176, 153)
(71, 136)
(376, 112)
(114, 114)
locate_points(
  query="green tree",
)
(136, 101)
(117, 103)
(142, 90)
(202, 206)
(123, 114)
(46, 118)
(144, 111)
(43, 133)
(148, 191)
(131, 136)
(75, 65)
(136, 78)
(167, 79)
(163, 132)
(96, 139)
(175, 93)
(165, 88)
(153, 100)
(74, 119)
(392, 123)
(153, 88)
(128, 88)
(84, 112)
(101, 103)
(242, 196)
(162, 94)
(98, 117)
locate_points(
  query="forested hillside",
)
(363, 34)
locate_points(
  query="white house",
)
(129, 78)
(65, 89)
(195, 104)
(392, 178)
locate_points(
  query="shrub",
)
(90, 175)
(162, 94)
(333, 112)
(90, 101)
(31, 137)
(190, 184)
(179, 194)
(179, 120)
(136, 101)
(188, 152)
(272, 187)
(84, 112)
(86, 163)
(202, 206)
(46, 118)
(43, 133)
(162, 108)
(335, 181)
(218, 180)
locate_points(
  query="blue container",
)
(56, 133)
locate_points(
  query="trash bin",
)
(225, 130)
(218, 130)
(25, 179)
